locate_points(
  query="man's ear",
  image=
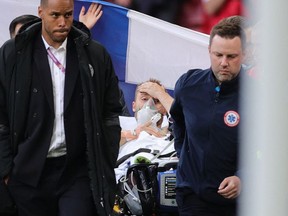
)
(40, 11)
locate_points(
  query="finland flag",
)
(144, 47)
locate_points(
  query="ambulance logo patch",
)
(231, 118)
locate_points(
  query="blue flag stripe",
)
(113, 38)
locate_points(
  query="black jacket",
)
(100, 104)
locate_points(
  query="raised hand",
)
(91, 17)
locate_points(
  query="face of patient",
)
(141, 98)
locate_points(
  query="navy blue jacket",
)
(206, 123)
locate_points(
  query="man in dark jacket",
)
(206, 125)
(59, 108)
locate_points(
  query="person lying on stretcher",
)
(147, 130)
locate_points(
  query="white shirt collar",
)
(63, 45)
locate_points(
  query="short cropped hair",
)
(229, 28)
(44, 2)
(20, 20)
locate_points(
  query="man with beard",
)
(206, 118)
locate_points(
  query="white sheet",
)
(144, 141)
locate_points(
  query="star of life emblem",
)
(231, 118)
